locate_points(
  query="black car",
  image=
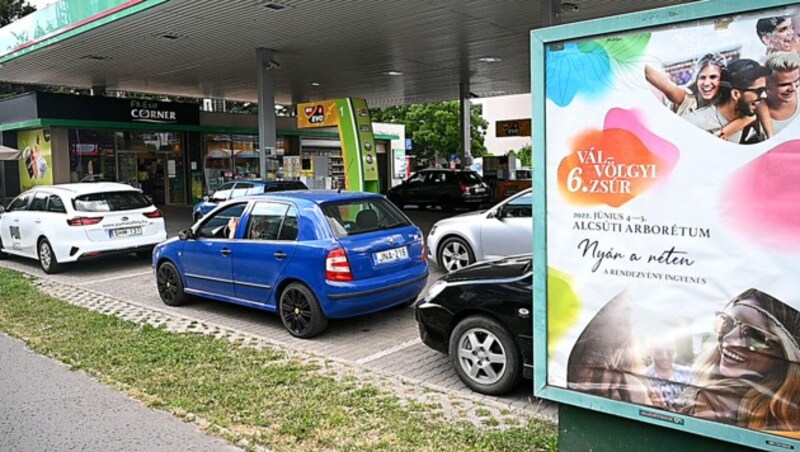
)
(442, 187)
(481, 316)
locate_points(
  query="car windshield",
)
(358, 216)
(111, 201)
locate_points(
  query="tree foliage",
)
(11, 10)
(435, 128)
(524, 155)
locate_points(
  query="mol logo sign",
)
(315, 114)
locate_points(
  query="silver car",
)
(504, 230)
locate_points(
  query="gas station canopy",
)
(389, 52)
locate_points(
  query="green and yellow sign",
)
(351, 116)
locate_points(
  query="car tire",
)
(2, 254)
(485, 355)
(170, 285)
(300, 312)
(47, 259)
(448, 203)
(455, 253)
(145, 254)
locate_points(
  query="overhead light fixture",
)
(95, 57)
(392, 73)
(490, 59)
(314, 83)
(569, 7)
(274, 6)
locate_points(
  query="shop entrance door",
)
(144, 170)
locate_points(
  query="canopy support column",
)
(466, 125)
(267, 136)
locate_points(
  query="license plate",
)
(126, 232)
(480, 190)
(392, 255)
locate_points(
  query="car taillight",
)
(337, 268)
(154, 214)
(424, 253)
(84, 221)
(464, 188)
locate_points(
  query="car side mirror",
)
(205, 198)
(499, 213)
(2, 209)
(186, 234)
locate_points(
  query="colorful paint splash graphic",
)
(563, 307)
(615, 165)
(587, 68)
(761, 200)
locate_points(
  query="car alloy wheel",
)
(47, 259)
(300, 312)
(485, 355)
(170, 285)
(455, 254)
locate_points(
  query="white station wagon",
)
(64, 223)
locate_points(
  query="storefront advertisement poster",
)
(673, 222)
(37, 161)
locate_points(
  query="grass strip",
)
(252, 394)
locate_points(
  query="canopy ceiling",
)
(206, 48)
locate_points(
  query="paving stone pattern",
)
(430, 381)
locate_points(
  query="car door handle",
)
(38, 221)
(225, 251)
(280, 255)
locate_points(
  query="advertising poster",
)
(36, 163)
(672, 224)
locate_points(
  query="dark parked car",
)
(442, 187)
(242, 187)
(481, 316)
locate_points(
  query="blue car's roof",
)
(318, 196)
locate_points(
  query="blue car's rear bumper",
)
(347, 299)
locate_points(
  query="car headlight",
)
(433, 230)
(435, 289)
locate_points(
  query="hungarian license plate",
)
(392, 255)
(125, 232)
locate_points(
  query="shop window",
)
(92, 155)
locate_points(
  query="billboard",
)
(667, 225)
(36, 163)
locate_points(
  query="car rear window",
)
(353, 217)
(471, 178)
(111, 201)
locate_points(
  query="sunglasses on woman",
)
(756, 339)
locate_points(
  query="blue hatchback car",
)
(308, 255)
(242, 187)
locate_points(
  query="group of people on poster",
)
(741, 98)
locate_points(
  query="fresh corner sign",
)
(148, 111)
(351, 116)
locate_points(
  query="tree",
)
(11, 10)
(524, 155)
(435, 128)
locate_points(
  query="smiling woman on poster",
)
(751, 377)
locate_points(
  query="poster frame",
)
(541, 38)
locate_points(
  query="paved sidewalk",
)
(47, 407)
